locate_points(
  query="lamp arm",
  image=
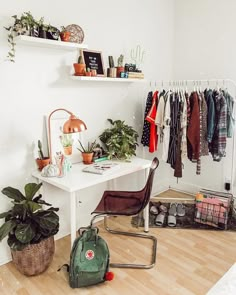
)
(49, 130)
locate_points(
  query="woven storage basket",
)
(35, 258)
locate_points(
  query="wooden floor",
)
(188, 262)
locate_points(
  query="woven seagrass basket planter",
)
(35, 258)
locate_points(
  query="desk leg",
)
(72, 217)
(146, 209)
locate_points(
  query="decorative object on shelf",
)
(80, 67)
(30, 229)
(111, 61)
(53, 33)
(120, 66)
(64, 34)
(87, 152)
(120, 140)
(88, 72)
(137, 55)
(76, 33)
(111, 72)
(41, 161)
(50, 171)
(93, 73)
(73, 125)
(93, 60)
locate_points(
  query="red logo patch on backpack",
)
(89, 254)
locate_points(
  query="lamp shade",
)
(74, 125)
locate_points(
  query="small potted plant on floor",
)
(79, 67)
(42, 160)
(30, 229)
(120, 140)
(87, 152)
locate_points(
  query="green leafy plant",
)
(66, 140)
(120, 140)
(27, 222)
(22, 26)
(89, 149)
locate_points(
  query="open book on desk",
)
(102, 168)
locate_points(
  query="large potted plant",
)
(30, 229)
(120, 140)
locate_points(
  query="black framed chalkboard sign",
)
(93, 60)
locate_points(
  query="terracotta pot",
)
(87, 158)
(42, 163)
(79, 69)
(65, 36)
(89, 74)
(67, 150)
(119, 70)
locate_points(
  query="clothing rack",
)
(198, 83)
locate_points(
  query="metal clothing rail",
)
(197, 83)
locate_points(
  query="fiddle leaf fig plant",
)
(120, 140)
(27, 222)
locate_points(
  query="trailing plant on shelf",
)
(120, 140)
(23, 25)
(27, 222)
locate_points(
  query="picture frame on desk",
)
(93, 60)
(58, 138)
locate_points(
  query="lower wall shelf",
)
(106, 79)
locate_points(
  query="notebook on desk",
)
(102, 168)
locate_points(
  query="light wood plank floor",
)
(188, 262)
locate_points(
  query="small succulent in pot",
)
(42, 160)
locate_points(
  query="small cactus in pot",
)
(42, 160)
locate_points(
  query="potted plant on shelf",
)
(79, 67)
(41, 161)
(30, 229)
(67, 142)
(87, 152)
(23, 25)
(64, 34)
(53, 32)
(120, 66)
(88, 72)
(120, 140)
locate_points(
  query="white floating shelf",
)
(34, 41)
(106, 79)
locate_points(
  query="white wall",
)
(38, 82)
(205, 47)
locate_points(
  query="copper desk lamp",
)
(72, 125)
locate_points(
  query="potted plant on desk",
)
(87, 152)
(41, 161)
(120, 140)
(67, 142)
(30, 229)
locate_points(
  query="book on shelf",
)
(102, 168)
(136, 75)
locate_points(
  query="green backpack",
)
(89, 259)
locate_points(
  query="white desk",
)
(77, 180)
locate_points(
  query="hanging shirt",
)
(230, 113)
(146, 125)
(210, 114)
(151, 117)
(166, 128)
(159, 121)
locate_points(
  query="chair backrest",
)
(148, 186)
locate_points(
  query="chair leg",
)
(132, 234)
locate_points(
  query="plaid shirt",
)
(218, 145)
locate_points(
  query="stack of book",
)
(135, 75)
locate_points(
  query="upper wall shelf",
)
(106, 79)
(34, 41)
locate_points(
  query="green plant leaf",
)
(6, 228)
(32, 206)
(14, 244)
(31, 189)
(24, 233)
(5, 214)
(13, 193)
(47, 219)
